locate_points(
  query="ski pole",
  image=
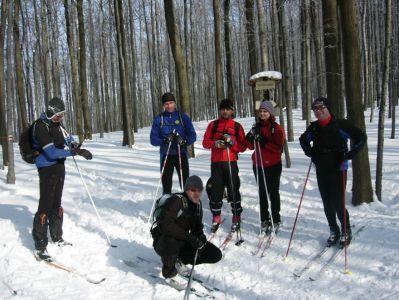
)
(180, 169)
(159, 183)
(257, 181)
(92, 202)
(239, 236)
(267, 192)
(299, 207)
(344, 212)
(190, 279)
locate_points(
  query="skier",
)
(266, 160)
(172, 130)
(178, 234)
(226, 138)
(325, 141)
(50, 137)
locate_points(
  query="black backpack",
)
(28, 152)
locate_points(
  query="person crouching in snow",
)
(178, 234)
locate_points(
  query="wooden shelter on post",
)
(264, 82)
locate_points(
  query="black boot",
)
(39, 231)
(333, 238)
(346, 238)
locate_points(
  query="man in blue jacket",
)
(172, 130)
(50, 139)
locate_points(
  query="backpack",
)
(216, 124)
(28, 152)
(159, 204)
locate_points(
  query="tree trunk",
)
(249, 13)
(70, 29)
(218, 51)
(180, 62)
(384, 99)
(333, 77)
(228, 49)
(120, 34)
(264, 57)
(82, 72)
(19, 71)
(362, 189)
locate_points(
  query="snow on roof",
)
(273, 75)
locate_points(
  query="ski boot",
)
(235, 226)
(216, 223)
(333, 238)
(346, 238)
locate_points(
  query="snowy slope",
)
(123, 183)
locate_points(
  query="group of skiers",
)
(178, 232)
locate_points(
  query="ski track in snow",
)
(123, 182)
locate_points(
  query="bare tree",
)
(227, 45)
(362, 189)
(82, 72)
(218, 50)
(384, 99)
(120, 34)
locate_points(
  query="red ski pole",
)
(299, 207)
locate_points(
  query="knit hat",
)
(193, 182)
(226, 104)
(168, 97)
(55, 106)
(267, 105)
(321, 101)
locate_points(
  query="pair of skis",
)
(318, 257)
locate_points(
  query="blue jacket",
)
(52, 139)
(170, 122)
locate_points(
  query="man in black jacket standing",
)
(179, 234)
(326, 142)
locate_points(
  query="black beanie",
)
(193, 182)
(168, 97)
(321, 101)
(55, 106)
(226, 104)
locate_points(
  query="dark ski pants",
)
(220, 174)
(272, 175)
(172, 162)
(50, 212)
(171, 249)
(332, 187)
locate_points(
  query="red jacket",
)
(271, 153)
(224, 126)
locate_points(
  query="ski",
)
(259, 245)
(206, 285)
(194, 291)
(226, 241)
(313, 260)
(268, 244)
(213, 234)
(51, 262)
(333, 258)
(11, 290)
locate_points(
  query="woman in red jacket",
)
(269, 138)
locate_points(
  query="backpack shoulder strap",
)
(181, 119)
(215, 127)
(237, 128)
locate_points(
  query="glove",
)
(309, 153)
(220, 144)
(227, 139)
(83, 152)
(182, 142)
(75, 144)
(262, 140)
(169, 139)
(250, 137)
(196, 242)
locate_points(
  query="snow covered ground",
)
(123, 183)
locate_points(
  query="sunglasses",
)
(59, 115)
(317, 108)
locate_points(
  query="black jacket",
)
(328, 146)
(180, 217)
